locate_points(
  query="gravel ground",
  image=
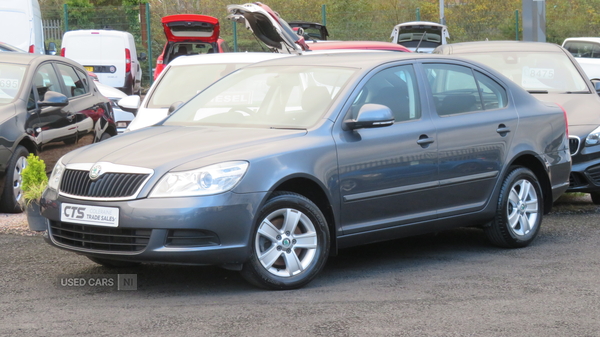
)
(15, 224)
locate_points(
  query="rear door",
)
(389, 175)
(475, 123)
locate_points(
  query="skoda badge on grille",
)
(95, 172)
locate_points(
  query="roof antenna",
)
(421, 40)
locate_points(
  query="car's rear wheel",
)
(290, 243)
(113, 263)
(519, 212)
(12, 193)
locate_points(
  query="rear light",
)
(31, 49)
(127, 60)
(566, 119)
(62, 52)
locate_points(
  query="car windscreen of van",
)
(9, 22)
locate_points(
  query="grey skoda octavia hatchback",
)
(278, 165)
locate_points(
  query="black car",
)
(550, 73)
(278, 165)
(48, 106)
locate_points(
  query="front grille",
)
(573, 145)
(108, 185)
(100, 238)
(191, 237)
(594, 174)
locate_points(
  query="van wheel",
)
(519, 212)
(290, 243)
(12, 194)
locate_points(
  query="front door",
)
(389, 171)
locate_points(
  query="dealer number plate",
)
(90, 215)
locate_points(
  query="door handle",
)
(503, 130)
(424, 141)
(70, 117)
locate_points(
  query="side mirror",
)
(174, 106)
(130, 103)
(53, 98)
(51, 50)
(142, 57)
(371, 116)
(596, 83)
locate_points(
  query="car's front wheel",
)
(519, 212)
(290, 243)
(595, 198)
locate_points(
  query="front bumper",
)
(585, 176)
(208, 230)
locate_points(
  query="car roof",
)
(321, 45)
(357, 59)
(219, 58)
(27, 58)
(590, 39)
(498, 46)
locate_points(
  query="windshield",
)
(267, 96)
(11, 80)
(543, 71)
(180, 83)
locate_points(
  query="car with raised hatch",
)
(277, 166)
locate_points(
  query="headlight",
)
(56, 176)
(593, 138)
(207, 180)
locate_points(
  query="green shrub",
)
(34, 180)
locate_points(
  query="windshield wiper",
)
(577, 92)
(285, 128)
(537, 91)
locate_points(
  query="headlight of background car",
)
(207, 180)
(56, 176)
(593, 138)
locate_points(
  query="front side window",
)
(395, 88)
(454, 88)
(11, 80)
(45, 80)
(266, 96)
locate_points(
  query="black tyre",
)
(290, 243)
(113, 263)
(519, 212)
(595, 198)
(12, 193)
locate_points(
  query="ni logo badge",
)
(95, 171)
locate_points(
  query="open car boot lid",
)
(191, 27)
(268, 27)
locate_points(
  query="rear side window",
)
(493, 94)
(583, 49)
(73, 84)
(454, 88)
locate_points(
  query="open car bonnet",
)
(422, 34)
(268, 27)
(191, 27)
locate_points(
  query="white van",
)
(21, 25)
(586, 51)
(110, 54)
